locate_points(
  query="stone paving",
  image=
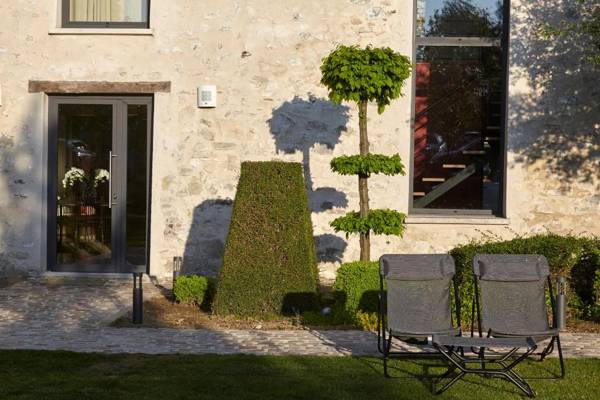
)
(74, 315)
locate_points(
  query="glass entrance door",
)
(98, 184)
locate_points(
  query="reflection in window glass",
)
(83, 216)
(108, 10)
(457, 156)
(137, 183)
(480, 18)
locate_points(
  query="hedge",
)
(577, 258)
(355, 290)
(585, 281)
(269, 264)
(192, 289)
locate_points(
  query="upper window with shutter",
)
(105, 13)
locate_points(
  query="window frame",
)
(67, 23)
(504, 43)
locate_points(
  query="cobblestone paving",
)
(63, 314)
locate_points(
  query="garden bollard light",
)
(177, 262)
(138, 298)
(561, 304)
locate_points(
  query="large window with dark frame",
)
(105, 13)
(460, 95)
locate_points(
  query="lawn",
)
(61, 375)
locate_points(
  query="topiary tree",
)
(362, 75)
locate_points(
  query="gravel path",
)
(74, 314)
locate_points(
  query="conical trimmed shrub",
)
(269, 265)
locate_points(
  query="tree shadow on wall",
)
(313, 124)
(559, 122)
(205, 244)
(297, 125)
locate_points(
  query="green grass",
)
(61, 375)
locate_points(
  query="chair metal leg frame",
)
(555, 344)
(560, 358)
(386, 342)
(458, 361)
(549, 349)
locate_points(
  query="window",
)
(105, 13)
(460, 96)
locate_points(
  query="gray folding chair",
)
(418, 302)
(510, 299)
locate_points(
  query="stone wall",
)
(264, 56)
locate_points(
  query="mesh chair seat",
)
(538, 336)
(512, 293)
(512, 300)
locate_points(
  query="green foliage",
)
(594, 313)
(586, 29)
(370, 74)
(367, 321)
(368, 165)
(380, 222)
(269, 265)
(192, 289)
(585, 280)
(356, 289)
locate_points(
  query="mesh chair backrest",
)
(418, 292)
(512, 298)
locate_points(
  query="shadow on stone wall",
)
(21, 205)
(559, 122)
(298, 126)
(205, 244)
(313, 124)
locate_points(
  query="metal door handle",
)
(110, 192)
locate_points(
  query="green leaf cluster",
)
(367, 165)
(365, 74)
(380, 222)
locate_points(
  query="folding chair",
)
(418, 302)
(510, 300)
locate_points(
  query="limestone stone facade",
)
(264, 57)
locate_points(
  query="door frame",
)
(119, 144)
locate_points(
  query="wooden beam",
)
(98, 87)
(445, 187)
(454, 166)
(434, 179)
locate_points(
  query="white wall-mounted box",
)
(207, 96)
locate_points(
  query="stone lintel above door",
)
(98, 87)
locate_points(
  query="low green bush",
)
(355, 289)
(192, 289)
(585, 281)
(269, 265)
(594, 309)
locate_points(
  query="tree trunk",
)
(363, 187)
